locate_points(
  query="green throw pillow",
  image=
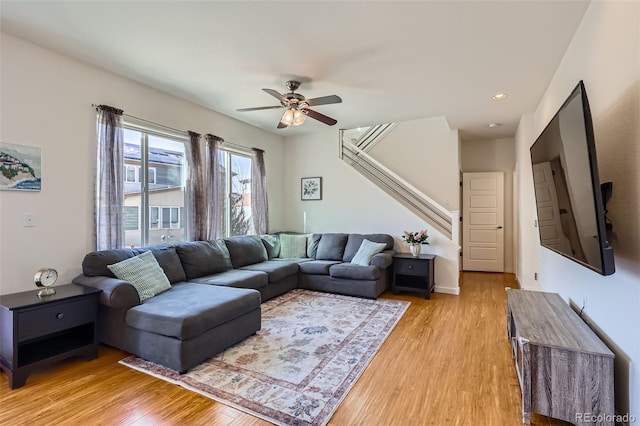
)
(367, 250)
(144, 272)
(293, 246)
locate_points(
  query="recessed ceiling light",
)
(499, 96)
(492, 125)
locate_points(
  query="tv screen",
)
(571, 218)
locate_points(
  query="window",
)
(236, 172)
(131, 218)
(154, 217)
(130, 174)
(154, 188)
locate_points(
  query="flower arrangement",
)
(419, 237)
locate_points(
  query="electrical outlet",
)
(535, 223)
(29, 220)
(535, 276)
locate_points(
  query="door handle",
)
(499, 227)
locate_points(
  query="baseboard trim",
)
(447, 290)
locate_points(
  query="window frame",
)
(147, 129)
(228, 152)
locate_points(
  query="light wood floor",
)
(447, 362)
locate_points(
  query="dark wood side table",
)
(36, 331)
(413, 273)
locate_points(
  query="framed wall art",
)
(311, 188)
(20, 167)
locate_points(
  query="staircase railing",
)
(372, 136)
(397, 187)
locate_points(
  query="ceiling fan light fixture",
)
(287, 117)
(298, 117)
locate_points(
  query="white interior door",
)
(549, 219)
(483, 222)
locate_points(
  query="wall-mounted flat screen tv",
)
(571, 218)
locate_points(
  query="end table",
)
(36, 331)
(413, 273)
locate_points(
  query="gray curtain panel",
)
(259, 200)
(195, 191)
(109, 191)
(215, 187)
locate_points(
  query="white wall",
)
(605, 53)
(422, 153)
(350, 203)
(497, 155)
(46, 101)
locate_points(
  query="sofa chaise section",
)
(161, 330)
(188, 323)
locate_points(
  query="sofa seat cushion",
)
(188, 310)
(294, 260)
(317, 267)
(236, 278)
(355, 272)
(276, 270)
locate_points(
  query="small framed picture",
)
(20, 167)
(311, 188)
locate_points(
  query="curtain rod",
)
(186, 133)
(96, 106)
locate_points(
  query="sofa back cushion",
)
(246, 250)
(331, 247)
(95, 263)
(312, 245)
(168, 260)
(271, 244)
(355, 241)
(200, 258)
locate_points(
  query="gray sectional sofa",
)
(217, 288)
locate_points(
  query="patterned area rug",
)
(298, 368)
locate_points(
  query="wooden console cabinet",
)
(565, 370)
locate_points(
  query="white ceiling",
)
(388, 60)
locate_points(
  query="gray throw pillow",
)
(367, 250)
(144, 273)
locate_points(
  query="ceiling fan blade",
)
(320, 117)
(276, 95)
(259, 108)
(324, 100)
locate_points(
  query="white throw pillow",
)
(144, 272)
(367, 250)
(293, 246)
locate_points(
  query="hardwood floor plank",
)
(448, 361)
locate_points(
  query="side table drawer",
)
(411, 267)
(53, 317)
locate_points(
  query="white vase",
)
(415, 249)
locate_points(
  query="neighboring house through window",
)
(236, 174)
(154, 188)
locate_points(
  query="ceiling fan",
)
(297, 107)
